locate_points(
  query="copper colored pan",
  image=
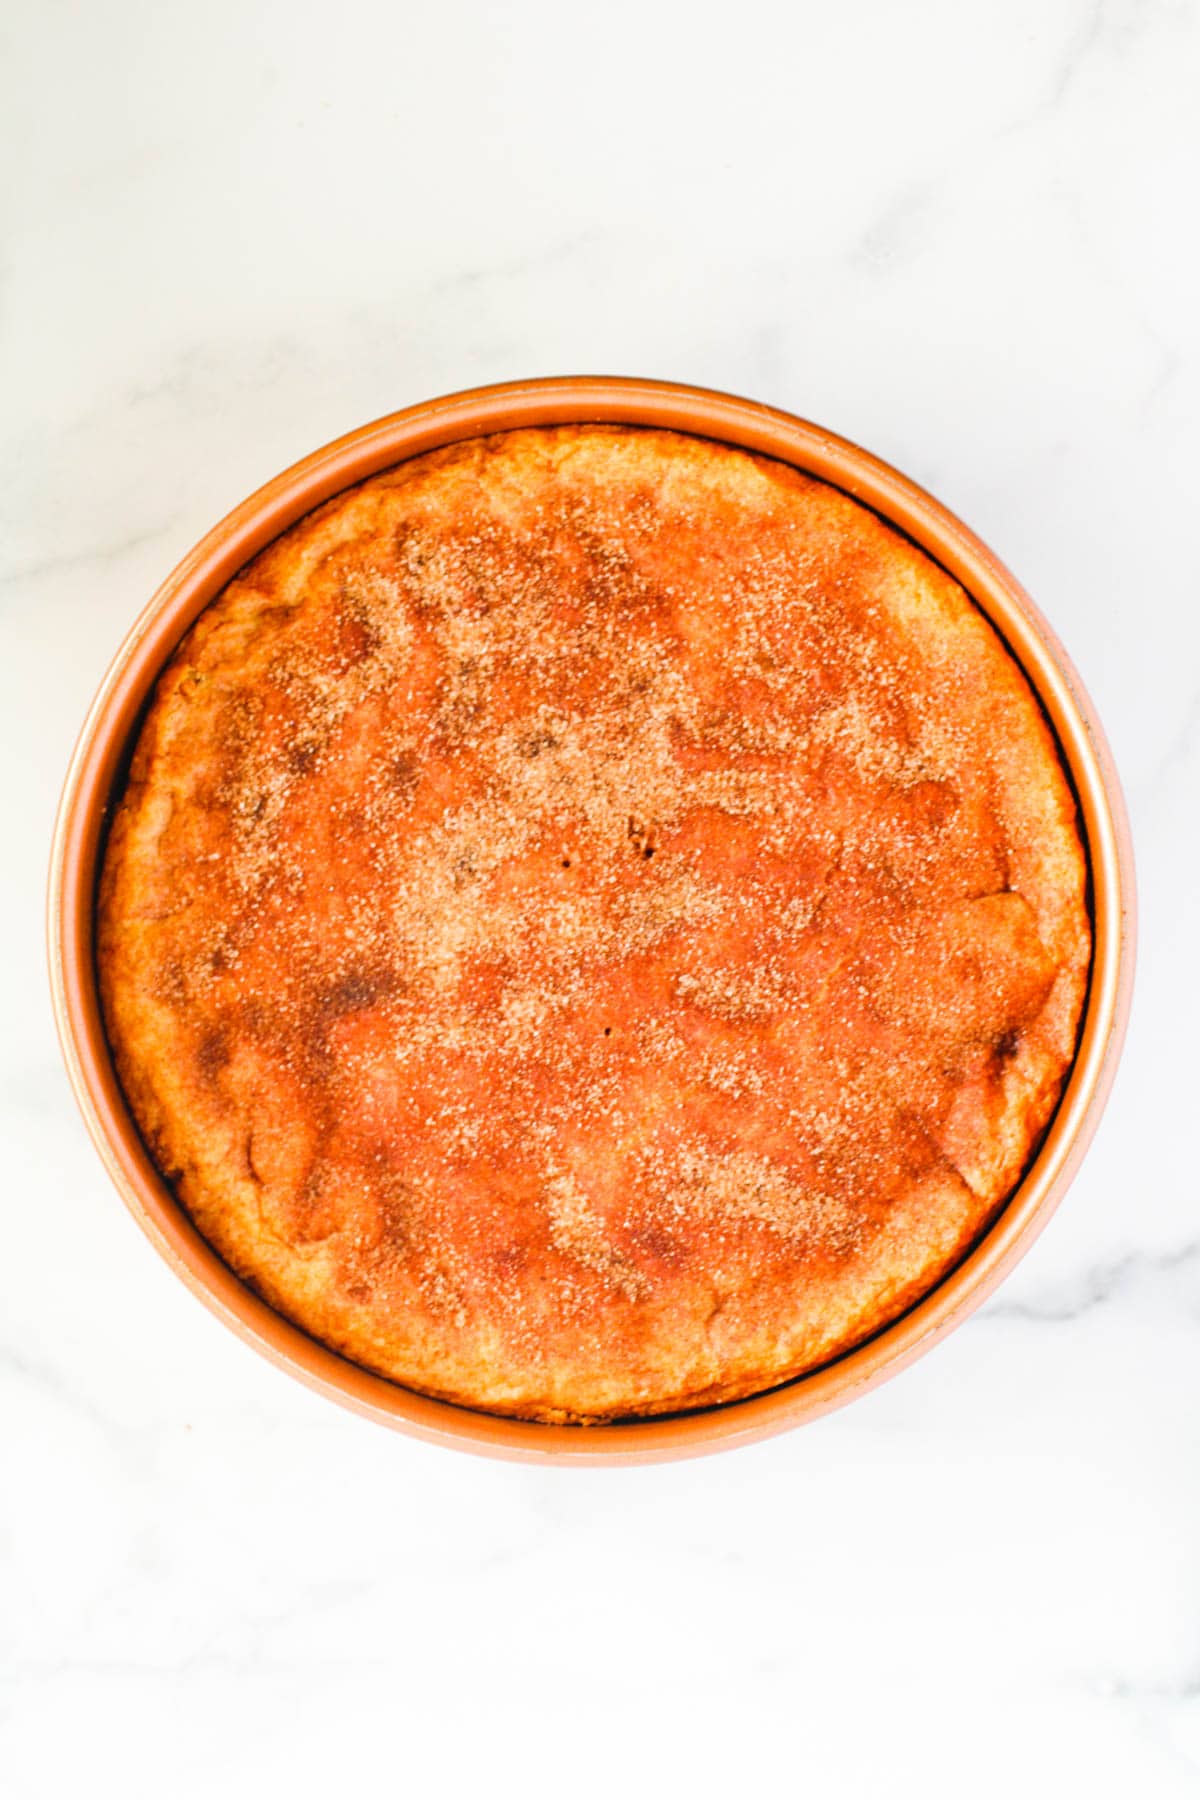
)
(99, 760)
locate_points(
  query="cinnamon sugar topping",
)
(582, 835)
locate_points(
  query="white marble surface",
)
(962, 234)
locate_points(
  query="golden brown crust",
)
(596, 925)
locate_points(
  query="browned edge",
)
(117, 709)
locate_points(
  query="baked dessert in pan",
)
(596, 925)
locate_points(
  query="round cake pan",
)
(93, 783)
